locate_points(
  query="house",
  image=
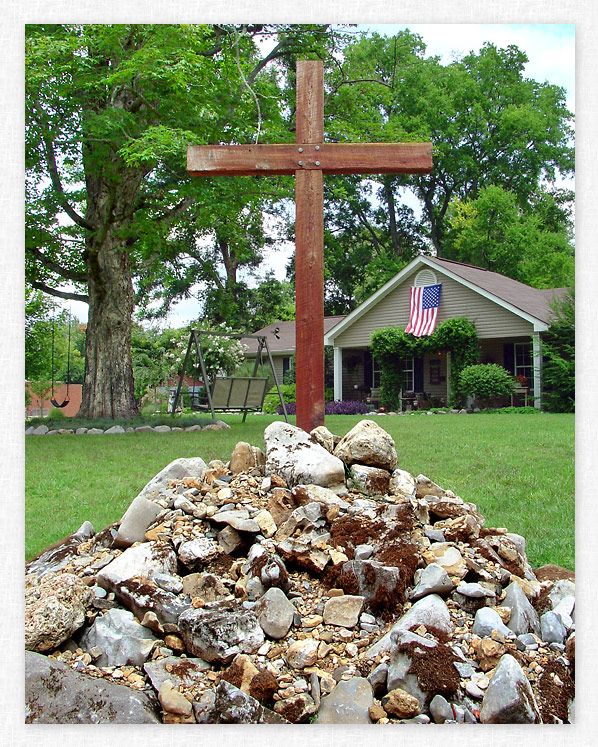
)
(281, 343)
(509, 316)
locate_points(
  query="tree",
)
(493, 232)
(110, 111)
(489, 124)
(558, 349)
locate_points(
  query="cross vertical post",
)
(309, 251)
(309, 158)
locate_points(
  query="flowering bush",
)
(338, 407)
(222, 355)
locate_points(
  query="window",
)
(286, 364)
(523, 362)
(376, 369)
(408, 375)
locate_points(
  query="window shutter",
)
(509, 356)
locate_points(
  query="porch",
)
(427, 379)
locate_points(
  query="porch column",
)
(537, 361)
(338, 373)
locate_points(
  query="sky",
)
(550, 49)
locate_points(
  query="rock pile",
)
(315, 582)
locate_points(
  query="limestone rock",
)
(275, 613)
(524, 617)
(135, 521)
(433, 579)
(121, 639)
(348, 703)
(441, 710)
(59, 555)
(172, 700)
(176, 470)
(176, 669)
(55, 694)
(448, 557)
(430, 611)
(142, 560)
(229, 539)
(233, 706)
(370, 480)
(55, 608)
(343, 611)
(206, 586)
(486, 620)
(552, 628)
(292, 454)
(197, 552)
(221, 630)
(303, 653)
(377, 583)
(140, 597)
(367, 443)
(238, 520)
(509, 698)
(246, 457)
(402, 483)
(401, 704)
(321, 435)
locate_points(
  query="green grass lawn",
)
(517, 468)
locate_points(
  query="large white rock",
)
(120, 637)
(292, 454)
(368, 443)
(142, 560)
(509, 698)
(176, 470)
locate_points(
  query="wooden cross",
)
(309, 159)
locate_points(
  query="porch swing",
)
(231, 393)
(66, 400)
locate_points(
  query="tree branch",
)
(59, 294)
(168, 216)
(77, 277)
(56, 183)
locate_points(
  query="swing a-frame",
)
(231, 393)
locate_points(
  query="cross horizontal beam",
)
(330, 158)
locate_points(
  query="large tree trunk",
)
(108, 386)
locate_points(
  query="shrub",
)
(486, 381)
(272, 400)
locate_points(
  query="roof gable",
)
(528, 303)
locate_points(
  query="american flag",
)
(423, 309)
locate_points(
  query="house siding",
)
(490, 319)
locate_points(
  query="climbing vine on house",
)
(392, 345)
